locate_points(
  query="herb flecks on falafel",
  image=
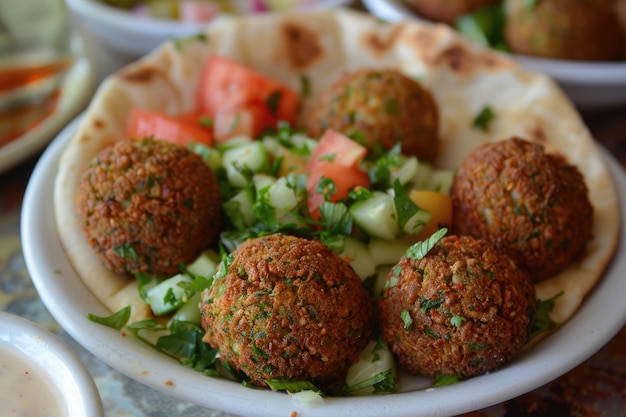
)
(287, 308)
(461, 309)
(529, 203)
(147, 206)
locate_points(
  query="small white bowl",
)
(136, 36)
(588, 84)
(48, 358)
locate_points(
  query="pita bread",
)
(322, 46)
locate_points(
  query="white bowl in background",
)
(136, 36)
(48, 359)
(588, 84)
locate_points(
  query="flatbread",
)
(321, 46)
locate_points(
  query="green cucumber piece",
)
(239, 208)
(282, 196)
(375, 358)
(405, 172)
(357, 254)
(442, 181)
(167, 296)
(387, 252)
(250, 157)
(189, 311)
(376, 215)
(205, 264)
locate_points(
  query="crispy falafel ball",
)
(289, 308)
(148, 205)
(564, 29)
(447, 11)
(463, 309)
(380, 108)
(531, 204)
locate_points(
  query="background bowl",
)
(589, 85)
(52, 359)
(136, 36)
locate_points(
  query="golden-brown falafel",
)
(148, 206)
(529, 203)
(462, 309)
(287, 308)
(379, 109)
(578, 30)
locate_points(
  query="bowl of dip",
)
(40, 375)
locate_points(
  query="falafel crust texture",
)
(529, 203)
(464, 309)
(287, 308)
(147, 206)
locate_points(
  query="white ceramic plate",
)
(115, 27)
(75, 93)
(600, 317)
(55, 361)
(587, 84)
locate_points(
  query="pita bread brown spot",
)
(460, 60)
(303, 45)
(141, 75)
(98, 124)
(537, 134)
(379, 43)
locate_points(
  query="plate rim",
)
(38, 231)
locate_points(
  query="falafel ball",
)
(380, 108)
(578, 30)
(529, 203)
(287, 308)
(148, 205)
(447, 11)
(462, 309)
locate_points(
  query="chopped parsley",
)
(483, 120)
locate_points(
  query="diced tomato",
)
(180, 130)
(344, 178)
(228, 85)
(336, 148)
(246, 121)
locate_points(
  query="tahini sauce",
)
(23, 390)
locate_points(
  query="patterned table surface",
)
(595, 388)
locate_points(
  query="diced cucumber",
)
(249, 157)
(262, 181)
(374, 359)
(376, 215)
(423, 176)
(205, 264)
(382, 272)
(239, 208)
(417, 222)
(190, 311)
(234, 142)
(167, 296)
(405, 172)
(442, 181)
(358, 256)
(387, 252)
(282, 196)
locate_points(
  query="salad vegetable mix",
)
(370, 207)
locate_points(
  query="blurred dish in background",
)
(586, 76)
(122, 30)
(35, 52)
(27, 129)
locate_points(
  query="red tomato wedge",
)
(344, 178)
(229, 85)
(180, 130)
(338, 149)
(246, 121)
